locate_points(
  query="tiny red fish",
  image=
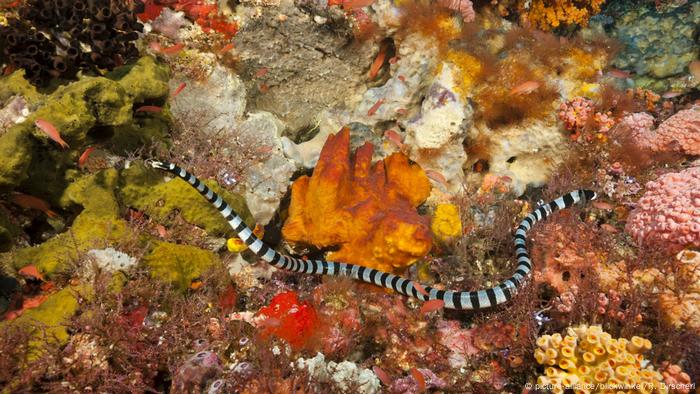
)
(383, 376)
(420, 379)
(261, 72)
(226, 48)
(375, 107)
(617, 73)
(609, 228)
(8, 70)
(377, 63)
(402, 78)
(171, 50)
(83, 158)
(436, 176)
(162, 232)
(178, 90)
(149, 108)
(525, 88)
(50, 130)
(431, 306)
(602, 205)
(355, 4)
(264, 88)
(30, 202)
(393, 60)
(420, 289)
(155, 46)
(394, 137)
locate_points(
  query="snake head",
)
(157, 164)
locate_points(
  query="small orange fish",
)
(84, 157)
(8, 70)
(155, 46)
(226, 48)
(149, 108)
(609, 228)
(436, 176)
(30, 202)
(50, 130)
(420, 289)
(264, 149)
(383, 376)
(617, 73)
(196, 284)
(355, 4)
(264, 88)
(401, 78)
(162, 232)
(32, 272)
(377, 63)
(694, 68)
(670, 95)
(393, 60)
(261, 72)
(420, 379)
(171, 50)
(394, 137)
(178, 90)
(375, 107)
(602, 205)
(431, 306)
(401, 111)
(525, 88)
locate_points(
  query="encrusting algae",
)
(367, 210)
(589, 360)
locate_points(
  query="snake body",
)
(461, 300)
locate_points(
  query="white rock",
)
(344, 376)
(111, 260)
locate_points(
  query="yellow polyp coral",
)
(236, 245)
(446, 222)
(589, 360)
(368, 211)
(468, 70)
(550, 14)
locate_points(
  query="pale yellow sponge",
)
(589, 360)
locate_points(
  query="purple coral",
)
(668, 214)
(196, 373)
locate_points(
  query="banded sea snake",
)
(462, 300)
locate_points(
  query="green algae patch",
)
(84, 112)
(143, 188)
(98, 224)
(15, 85)
(178, 264)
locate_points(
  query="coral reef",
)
(55, 39)
(679, 133)
(84, 112)
(551, 14)
(668, 214)
(589, 356)
(657, 45)
(345, 376)
(366, 209)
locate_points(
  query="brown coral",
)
(366, 210)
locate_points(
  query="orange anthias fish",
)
(436, 176)
(226, 48)
(420, 379)
(420, 288)
(32, 272)
(383, 376)
(431, 306)
(149, 108)
(349, 5)
(525, 88)
(394, 137)
(377, 63)
(171, 50)
(617, 73)
(51, 131)
(84, 157)
(179, 89)
(30, 202)
(375, 107)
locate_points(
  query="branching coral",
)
(668, 214)
(57, 38)
(550, 14)
(367, 210)
(590, 360)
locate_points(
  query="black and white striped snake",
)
(462, 300)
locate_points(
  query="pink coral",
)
(679, 133)
(464, 7)
(574, 113)
(675, 378)
(668, 214)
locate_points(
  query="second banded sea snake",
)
(463, 300)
